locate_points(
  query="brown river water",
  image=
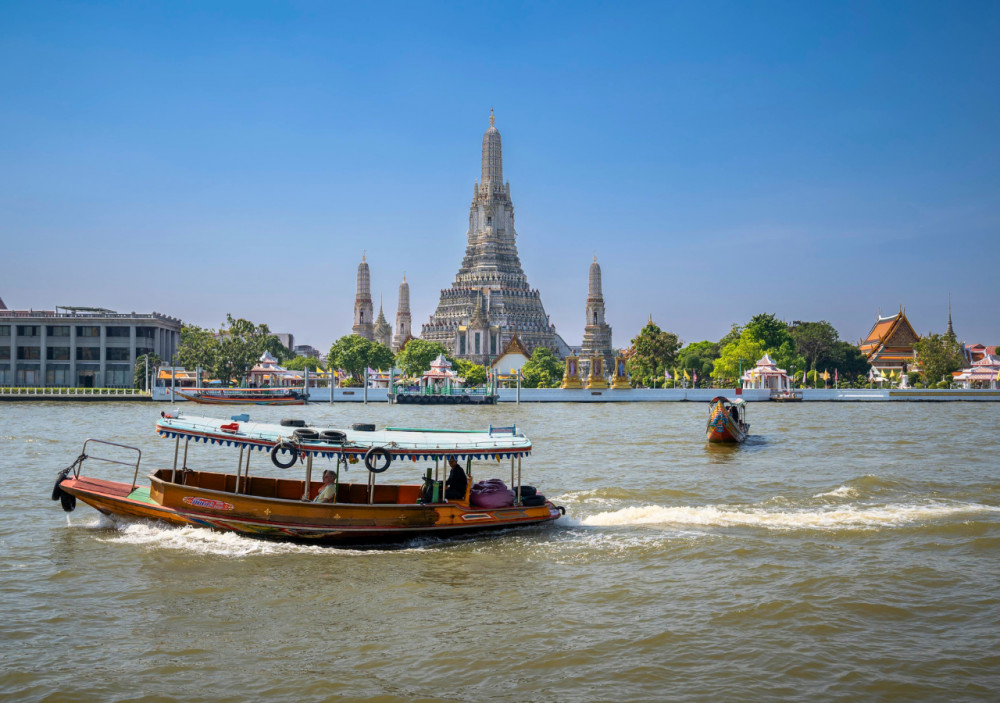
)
(845, 552)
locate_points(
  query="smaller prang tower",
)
(402, 317)
(596, 332)
(382, 331)
(363, 320)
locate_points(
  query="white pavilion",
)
(982, 374)
(766, 374)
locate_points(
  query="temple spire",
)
(951, 330)
(492, 171)
(363, 302)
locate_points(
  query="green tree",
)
(733, 335)
(474, 374)
(655, 351)
(938, 355)
(139, 378)
(739, 354)
(772, 332)
(417, 355)
(354, 354)
(814, 340)
(198, 348)
(241, 344)
(543, 369)
(699, 357)
(300, 363)
(847, 359)
(278, 350)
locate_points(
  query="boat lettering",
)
(207, 503)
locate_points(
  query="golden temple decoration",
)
(571, 377)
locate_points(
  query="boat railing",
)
(69, 391)
(84, 455)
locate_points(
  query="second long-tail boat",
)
(727, 420)
(243, 396)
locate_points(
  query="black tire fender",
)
(284, 446)
(371, 459)
(68, 501)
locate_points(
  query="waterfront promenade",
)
(660, 395)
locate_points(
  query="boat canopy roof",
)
(727, 401)
(401, 442)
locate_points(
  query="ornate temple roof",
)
(891, 338)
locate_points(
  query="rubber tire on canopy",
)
(333, 436)
(283, 447)
(363, 427)
(371, 457)
(287, 422)
(302, 433)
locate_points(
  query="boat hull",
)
(296, 520)
(240, 400)
(722, 428)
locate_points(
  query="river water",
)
(846, 551)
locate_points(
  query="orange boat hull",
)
(723, 428)
(293, 519)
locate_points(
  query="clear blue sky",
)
(815, 160)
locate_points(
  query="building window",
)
(147, 332)
(29, 330)
(116, 332)
(88, 353)
(57, 375)
(4, 353)
(461, 345)
(57, 330)
(29, 376)
(477, 342)
(117, 354)
(29, 353)
(57, 353)
(493, 344)
(118, 377)
(4, 330)
(88, 331)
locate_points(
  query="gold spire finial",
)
(404, 276)
(492, 118)
(363, 252)
(595, 256)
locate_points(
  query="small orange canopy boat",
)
(727, 420)
(287, 509)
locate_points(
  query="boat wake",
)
(201, 541)
(827, 518)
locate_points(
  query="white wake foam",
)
(841, 492)
(203, 541)
(872, 517)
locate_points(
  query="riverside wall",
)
(663, 395)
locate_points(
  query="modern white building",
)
(80, 347)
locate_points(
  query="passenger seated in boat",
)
(457, 482)
(328, 494)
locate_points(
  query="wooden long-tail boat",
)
(727, 420)
(285, 508)
(243, 396)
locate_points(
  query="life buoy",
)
(371, 459)
(284, 446)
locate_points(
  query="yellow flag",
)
(687, 376)
(825, 375)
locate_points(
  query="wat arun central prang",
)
(490, 299)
